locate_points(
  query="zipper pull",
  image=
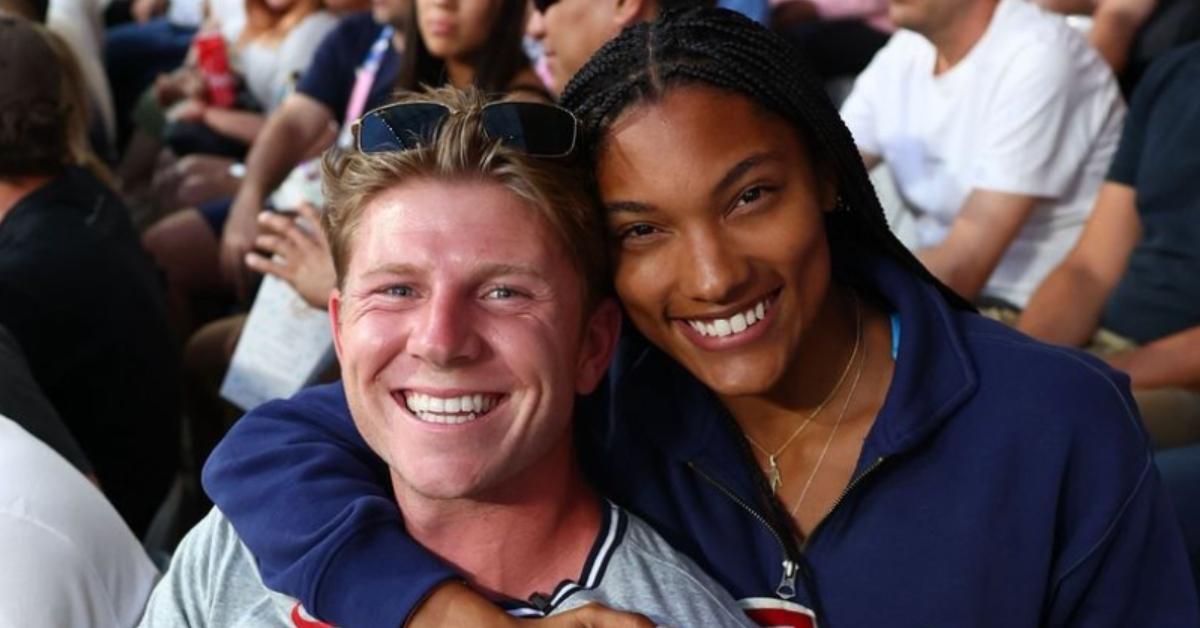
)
(787, 585)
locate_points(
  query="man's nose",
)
(445, 335)
(535, 26)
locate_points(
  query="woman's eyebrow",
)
(742, 167)
(632, 207)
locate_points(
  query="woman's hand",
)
(297, 254)
(456, 604)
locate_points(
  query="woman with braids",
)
(798, 405)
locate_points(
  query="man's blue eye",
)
(501, 293)
(399, 291)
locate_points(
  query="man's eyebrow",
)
(393, 269)
(524, 270)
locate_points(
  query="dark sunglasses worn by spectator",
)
(536, 129)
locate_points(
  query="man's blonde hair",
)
(462, 150)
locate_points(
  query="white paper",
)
(285, 345)
(302, 185)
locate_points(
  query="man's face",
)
(570, 32)
(926, 17)
(460, 333)
(392, 12)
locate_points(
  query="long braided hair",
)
(725, 50)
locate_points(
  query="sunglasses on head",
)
(536, 129)
(542, 5)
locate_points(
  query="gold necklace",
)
(832, 432)
(773, 475)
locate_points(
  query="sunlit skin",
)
(714, 207)
(476, 297)
(455, 30)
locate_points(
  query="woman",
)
(470, 42)
(804, 410)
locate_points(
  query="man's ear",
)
(335, 315)
(629, 12)
(599, 341)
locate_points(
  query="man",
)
(352, 72)
(76, 290)
(571, 30)
(1130, 289)
(467, 318)
(997, 121)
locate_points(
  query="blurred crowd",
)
(159, 158)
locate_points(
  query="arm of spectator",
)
(1173, 361)
(1115, 25)
(1066, 308)
(1069, 7)
(288, 134)
(298, 254)
(980, 235)
(238, 124)
(804, 10)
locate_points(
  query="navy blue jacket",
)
(1004, 483)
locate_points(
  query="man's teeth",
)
(452, 410)
(736, 324)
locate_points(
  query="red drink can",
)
(213, 60)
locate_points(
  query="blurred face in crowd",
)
(570, 31)
(390, 11)
(456, 28)
(721, 254)
(927, 17)
(461, 335)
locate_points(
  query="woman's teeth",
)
(732, 326)
(450, 410)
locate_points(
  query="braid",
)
(723, 49)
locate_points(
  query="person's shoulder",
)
(1024, 31)
(1177, 67)
(356, 27)
(319, 400)
(1050, 387)
(655, 579)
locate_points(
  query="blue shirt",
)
(1159, 156)
(330, 77)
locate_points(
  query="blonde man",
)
(471, 309)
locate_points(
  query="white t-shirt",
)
(1032, 109)
(66, 557)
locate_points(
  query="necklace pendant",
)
(773, 475)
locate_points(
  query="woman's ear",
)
(828, 194)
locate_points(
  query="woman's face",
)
(454, 29)
(721, 255)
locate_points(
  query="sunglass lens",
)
(535, 129)
(400, 127)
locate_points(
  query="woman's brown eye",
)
(750, 195)
(639, 231)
